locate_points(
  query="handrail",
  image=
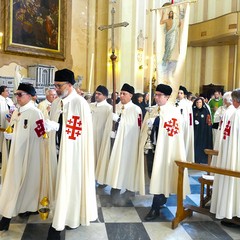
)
(181, 212)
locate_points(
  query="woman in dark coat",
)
(202, 130)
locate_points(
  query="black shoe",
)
(163, 199)
(153, 214)
(4, 224)
(229, 224)
(27, 214)
(102, 186)
(53, 234)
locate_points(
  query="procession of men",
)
(66, 148)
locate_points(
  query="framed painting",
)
(35, 27)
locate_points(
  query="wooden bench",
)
(205, 198)
(186, 211)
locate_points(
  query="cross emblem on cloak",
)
(113, 57)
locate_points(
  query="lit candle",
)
(91, 73)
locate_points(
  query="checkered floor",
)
(127, 223)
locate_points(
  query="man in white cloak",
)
(168, 146)
(121, 170)
(6, 109)
(71, 158)
(101, 112)
(226, 191)
(185, 108)
(21, 188)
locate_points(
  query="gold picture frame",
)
(35, 28)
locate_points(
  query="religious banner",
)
(171, 43)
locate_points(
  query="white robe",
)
(73, 182)
(100, 114)
(226, 189)
(169, 147)
(43, 107)
(123, 160)
(21, 190)
(219, 133)
(185, 108)
(4, 103)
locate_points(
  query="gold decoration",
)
(44, 211)
(9, 129)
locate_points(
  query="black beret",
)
(102, 90)
(64, 75)
(167, 90)
(184, 90)
(126, 87)
(28, 88)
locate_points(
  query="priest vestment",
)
(226, 189)
(72, 192)
(21, 190)
(124, 156)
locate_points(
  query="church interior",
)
(84, 41)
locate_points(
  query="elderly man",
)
(22, 184)
(101, 112)
(165, 122)
(71, 158)
(45, 105)
(225, 195)
(122, 166)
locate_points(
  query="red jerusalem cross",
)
(226, 132)
(172, 127)
(74, 127)
(40, 130)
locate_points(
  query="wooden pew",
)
(186, 211)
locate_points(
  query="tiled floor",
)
(127, 223)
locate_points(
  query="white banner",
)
(171, 43)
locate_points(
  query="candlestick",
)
(150, 82)
(91, 73)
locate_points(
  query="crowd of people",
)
(67, 146)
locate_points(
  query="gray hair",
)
(236, 95)
(228, 97)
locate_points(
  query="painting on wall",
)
(35, 27)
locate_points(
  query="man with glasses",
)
(21, 188)
(73, 195)
(168, 146)
(101, 112)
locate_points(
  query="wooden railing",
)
(186, 211)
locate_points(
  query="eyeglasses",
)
(20, 94)
(59, 85)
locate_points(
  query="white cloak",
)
(72, 192)
(21, 190)
(100, 114)
(185, 108)
(124, 156)
(4, 103)
(226, 189)
(43, 107)
(219, 133)
(170, 147)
